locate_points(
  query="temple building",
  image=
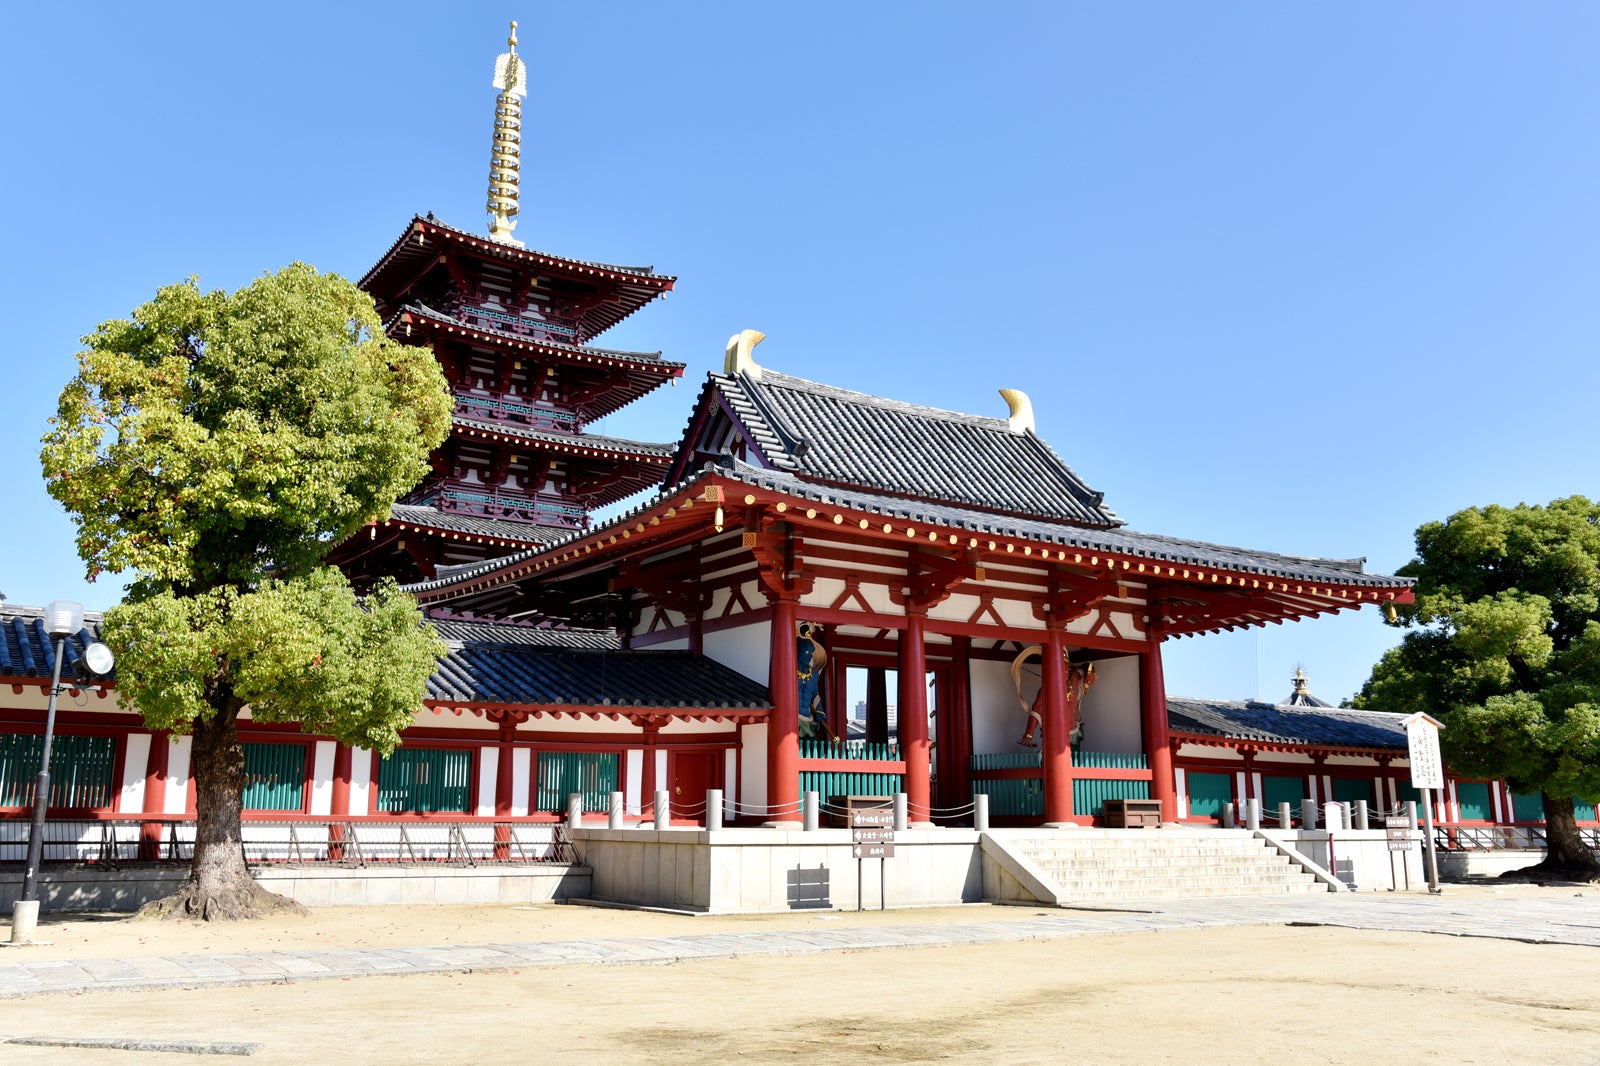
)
(802, 548)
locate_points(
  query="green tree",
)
(214, 447)
(1504, 647)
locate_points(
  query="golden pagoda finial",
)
(505, 163)
(1300, 682)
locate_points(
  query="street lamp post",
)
(62, 619)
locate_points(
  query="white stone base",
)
(130, 887)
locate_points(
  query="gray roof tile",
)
(458, 631)
(825, 434)
(26, 650)
(1281, 723)
(453, 522)
(522, 674)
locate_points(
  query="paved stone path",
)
(1544, 920)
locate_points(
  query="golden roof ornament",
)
(505, 163)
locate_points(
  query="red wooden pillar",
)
(1157, 742)
(912, 723)
(339, 797)
(1057, 744)
(502, 789)
(155, 796)
(783, 728)
(339, 801)
(647, 774)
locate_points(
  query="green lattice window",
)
(1352, 790)
(1472, 798)
(275, 777)
(1207, 793)
(82, 770)
(425, 779)
(1276, 790)
(562, 773)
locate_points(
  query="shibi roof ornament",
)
(505, 164)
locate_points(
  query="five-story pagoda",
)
(511, 328)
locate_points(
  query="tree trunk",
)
(1567, 857)
(219, 885)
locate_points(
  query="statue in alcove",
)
(1079, 677)
(809, 659)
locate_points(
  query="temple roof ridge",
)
(1277, 723)
(838, 436)
(507, 250)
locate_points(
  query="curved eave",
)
(701, 499)
(459, 535)
(1214, 740)
(617, 451)
(636, 286)
(521, 712)
(573, 354)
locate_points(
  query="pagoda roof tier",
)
(1190, 586)
(418, 542)
(831, 436)
(630, 374)
(585, 444)
(614, 292)
(1282, 726)
(495, 532)
(525, 680)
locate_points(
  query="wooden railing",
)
(1014, 782)
(1453, 837)
(341, 841)
(850, 768)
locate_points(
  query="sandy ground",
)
(1235, 995)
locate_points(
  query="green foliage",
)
(1504, 645)
(218, 445)
(299, 650)
(214, 438)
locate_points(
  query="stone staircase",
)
(1106, 865)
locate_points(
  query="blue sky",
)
(1291, 278)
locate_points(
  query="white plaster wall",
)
(753, 767)
(684, 727)
(178, 776)
(322, 777)
(549, 727)
(745, 649)
(1206, 751)
(730, 791)
(135, 762)
(1284, 758)
(633, 775)
(488, 773)
(521, 785)
(441, 718)
(997, 719)
(360, 781)
(1111, 707)
(1363, 761)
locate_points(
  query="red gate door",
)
(692, 773)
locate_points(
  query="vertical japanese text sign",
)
(1422, 737)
